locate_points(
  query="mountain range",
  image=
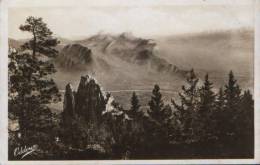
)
(125, 62)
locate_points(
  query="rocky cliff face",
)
(87, 103)
(74, 56)
(89, 116)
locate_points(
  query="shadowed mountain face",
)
(74, 56)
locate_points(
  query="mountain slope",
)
(117, 61)
(130, 49)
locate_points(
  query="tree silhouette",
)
(31, 89)
(232, 100)
(186, 111)
(245, 123)
(42, 40)
(207, 96)
(135, 105)
(156, 105)
(232, 93)
(204, 118)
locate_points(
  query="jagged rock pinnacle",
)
(69, 103)
(88, 102)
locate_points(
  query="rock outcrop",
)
(82, 117)
(87, 103)
(69, 105)
(93, 120)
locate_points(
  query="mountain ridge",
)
(215, 53)
(129, 48)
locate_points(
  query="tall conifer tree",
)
(31, 86)
(135, 105)
(204, 118)
(189, 98)
(245, 123)
(232, 94)
(156, 105)
(207, 96)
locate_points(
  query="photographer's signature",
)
(25, 151)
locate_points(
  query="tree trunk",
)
(34, 44)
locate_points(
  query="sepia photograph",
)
(131, 81)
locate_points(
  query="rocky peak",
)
(93, 113)
(87, 103)
(90, 104)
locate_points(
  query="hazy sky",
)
(145, 18)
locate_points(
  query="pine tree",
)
(245, 123)
(189, 105)
(207, 96)
(154, 125)
(134, 110)
(232, 95)
(30, 86)
(156, 105)
(205, 111)
(42, 41)
(218, 114)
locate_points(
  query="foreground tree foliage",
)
(205, 126)
(201, 123)
(219, 120)
(31, 89)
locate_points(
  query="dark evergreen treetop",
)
(203, 119)
(135, 102)
(42, 41)
(189, 95)
(207, 96)
(135, 105)
(232, 92)
(156, 104)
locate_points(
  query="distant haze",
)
(144, 20)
